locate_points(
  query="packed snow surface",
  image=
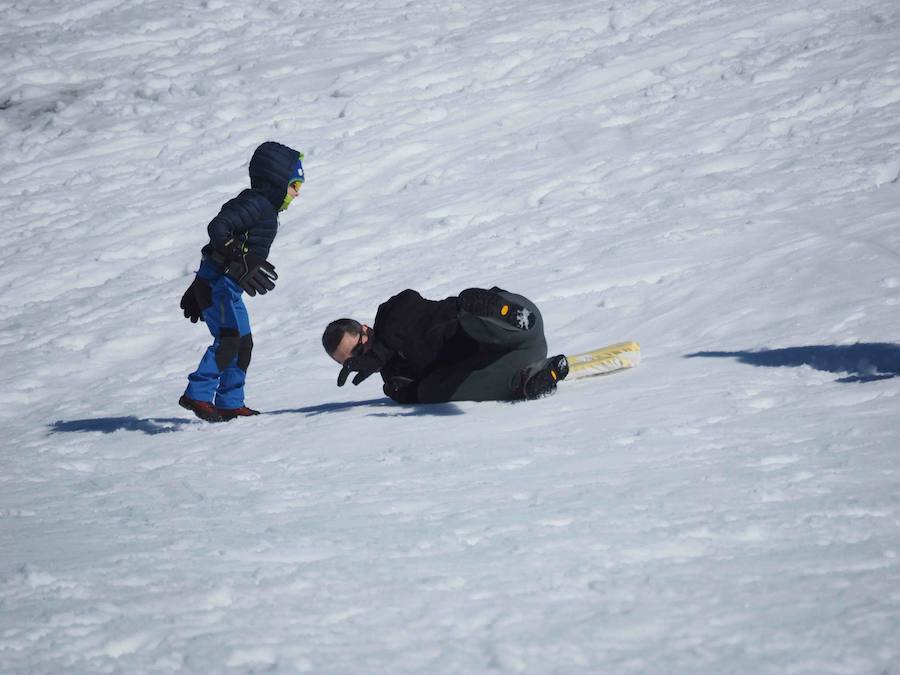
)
(716, 179)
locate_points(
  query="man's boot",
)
(540, 379)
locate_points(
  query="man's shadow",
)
(392, 409)
(863, 362)
(108, 425)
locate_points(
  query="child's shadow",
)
(863, 362)
(107, 425)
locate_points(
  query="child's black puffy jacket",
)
(252, 216)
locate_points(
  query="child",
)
(234, 261)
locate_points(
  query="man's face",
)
(352, 344)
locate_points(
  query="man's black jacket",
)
(426, 337)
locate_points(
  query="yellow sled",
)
(604, 360)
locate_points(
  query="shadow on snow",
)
(392, 409)
(107, 425)
(163, 425)
(863, 362)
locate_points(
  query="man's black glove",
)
(254, 273)
(401, 389)
(365, 364)
(196, 298)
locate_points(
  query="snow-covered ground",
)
(717, 179)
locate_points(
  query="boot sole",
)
(543, 383)
(488, 304)
(559, 367)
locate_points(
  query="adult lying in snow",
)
(482, 345)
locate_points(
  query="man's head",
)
(344, 338)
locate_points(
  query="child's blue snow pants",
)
(223, 369)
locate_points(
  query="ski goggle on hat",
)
(297, 176)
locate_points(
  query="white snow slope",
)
(717, 179)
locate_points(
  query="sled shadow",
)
(107, 425)
(863, 362)
(392, 409)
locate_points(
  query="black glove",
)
(196, 298)
(401, 389)
(365, 364)
(254, 273)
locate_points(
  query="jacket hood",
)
(272, 168)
